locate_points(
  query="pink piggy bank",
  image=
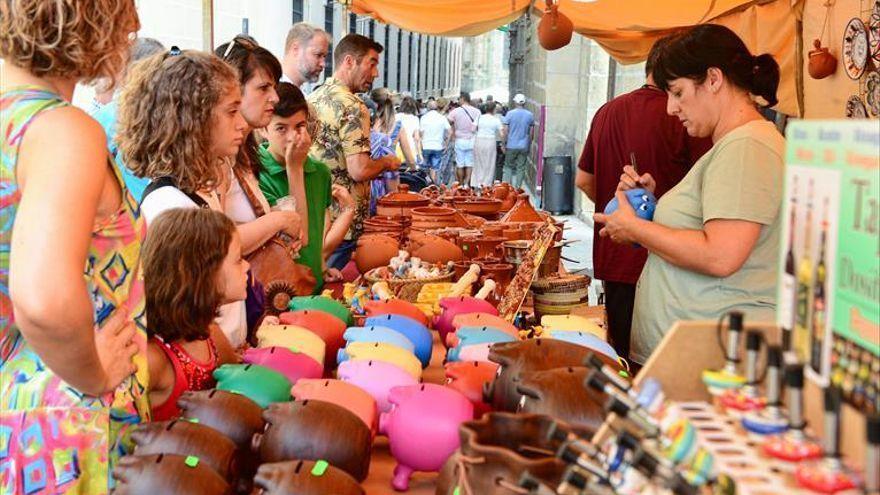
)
(293, 365)
(475, 352)
(422, 428)
(454, 306)
(343, 394)
(376, 377)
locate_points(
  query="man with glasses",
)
(343, 140)
(305, 54)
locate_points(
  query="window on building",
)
(399, 58)
(328, 26)
(419, 63)
(387, 52)
(410, 67)
(372, 30)
(298, 11)
(352, 23)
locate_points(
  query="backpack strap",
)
(167, 181)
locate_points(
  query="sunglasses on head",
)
(245, 43)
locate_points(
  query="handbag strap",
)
(246, 187)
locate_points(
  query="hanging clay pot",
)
(468, 378)
(187, 438)
(561, 393)
(167, 473)
(496, 450)
(555, 28)
(314, 430)
(305, 478)
(517, 358)
(374, 251)
(822, 63)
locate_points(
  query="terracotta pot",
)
(468, 378)
(459, 268)
(166, 473)
(518, 358)
(561, 393)
(233, 415)
(374, 251)
(501, 273)
(822, 63)
(314, 430)
(555, 29)
(438, 250)
(496, 450)
(187, 438)
(400, 202)
(490, 246)
(301, 478)
(470, 249)
(522, 211)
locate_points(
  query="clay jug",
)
(468, 378)
(187, 438)
(517, 358)
(496, 450)
(314, 430)
(233, 415)
(561, 393)
(167, 473)
(822, 63)
(305, 478)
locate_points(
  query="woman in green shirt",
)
(714, 240)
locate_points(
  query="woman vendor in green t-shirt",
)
(714, 238)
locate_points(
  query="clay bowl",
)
(432, 213)
(314, 430)
(401, 202)
(374, 251)
(166, 473)
(518, 358)
(187, 438)
(438, 250)
(508, 445)
(233, 415)
(489, 246)
(560, 393)
(468, 378)
(478, 206)
(301, 478)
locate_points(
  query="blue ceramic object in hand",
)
(642, 201)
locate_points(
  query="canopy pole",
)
(208, 25)
(346, 10)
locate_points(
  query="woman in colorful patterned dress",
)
(72, 359)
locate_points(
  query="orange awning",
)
(625, 29)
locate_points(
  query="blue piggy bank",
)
(642, 200)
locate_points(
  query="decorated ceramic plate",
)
(855, 48)
(874, 32)
(872, 93)
(855, 109)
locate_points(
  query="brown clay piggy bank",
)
(187, 438)
(312, 430)
(516, 358)
(233, 415)
(305, 478)
(560, 393)
(167, 473)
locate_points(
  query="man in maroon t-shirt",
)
(632, 125)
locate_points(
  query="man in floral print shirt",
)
(343, 141)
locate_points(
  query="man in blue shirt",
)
(519, 129)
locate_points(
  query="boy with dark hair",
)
(284, 161)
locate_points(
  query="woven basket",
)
(564, 284)
(406, 288)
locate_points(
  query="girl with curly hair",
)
(180, 124)
(192, 265)
(73, 372)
